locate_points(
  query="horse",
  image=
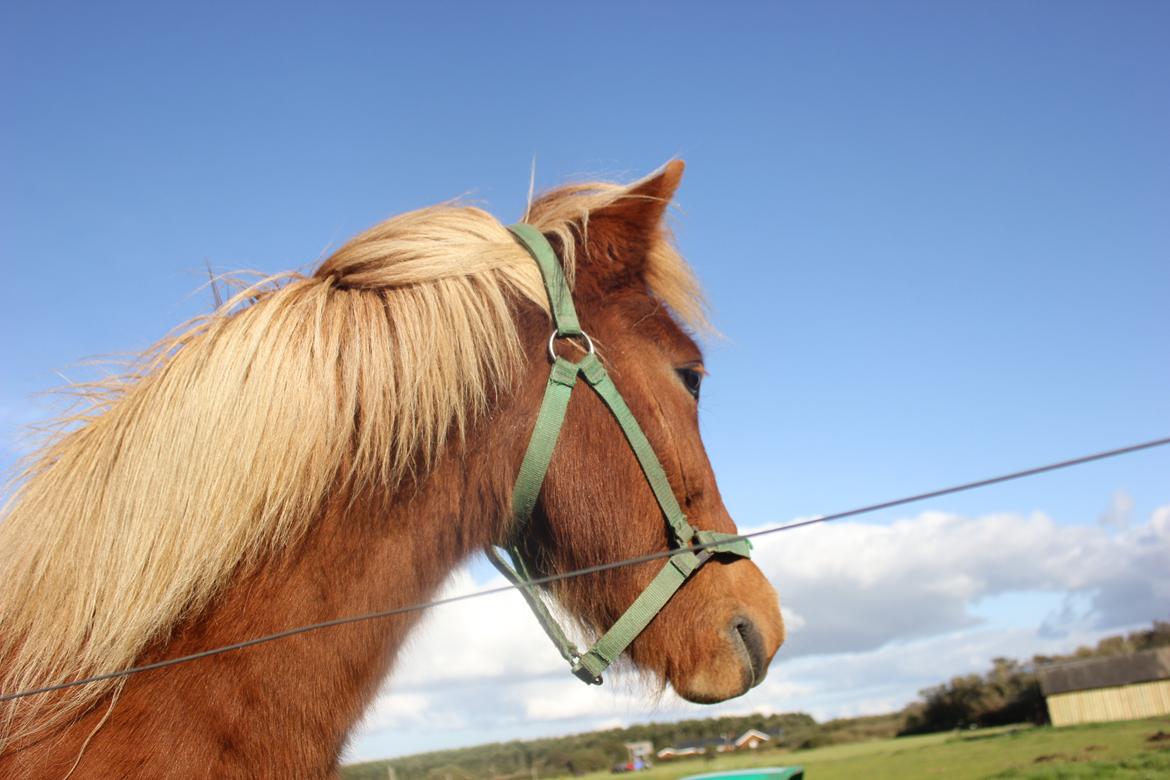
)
(335, 443)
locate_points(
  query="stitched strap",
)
(598, 378)
(560, 298)
(715, 542)
(637, 616)
(542, 442)
(520, 577)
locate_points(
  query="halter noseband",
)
(681, 564)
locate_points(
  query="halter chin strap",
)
(681, 564)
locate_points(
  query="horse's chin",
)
(713, 686)
(739, 664)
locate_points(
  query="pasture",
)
(1106, 750)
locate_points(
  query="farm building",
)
(1119, 688)
(639, 753)
(751, 739)
(684, 749)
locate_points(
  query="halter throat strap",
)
(681, 564)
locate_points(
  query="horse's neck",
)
(283, 709)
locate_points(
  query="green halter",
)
(679, 567)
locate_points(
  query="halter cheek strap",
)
(681, 564)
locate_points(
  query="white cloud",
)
(884, 679)
(1117, 515)
(394, 710)
(492, 637)
(857, 586)
(566, 698)
(874, 612)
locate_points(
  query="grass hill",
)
(1130, 750)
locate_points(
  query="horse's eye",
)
(692, 379)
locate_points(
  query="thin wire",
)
(867, 509)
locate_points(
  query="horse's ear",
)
(620, 235)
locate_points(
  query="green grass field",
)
(1104, 751)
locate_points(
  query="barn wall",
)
(1122, 702)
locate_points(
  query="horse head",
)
(716, 636)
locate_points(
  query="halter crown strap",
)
(562, 379)
(560, 297)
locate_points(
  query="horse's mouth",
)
(750, 646)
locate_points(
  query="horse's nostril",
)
(753, 644)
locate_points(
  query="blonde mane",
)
(221, 444)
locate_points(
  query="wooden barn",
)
(1099, 689)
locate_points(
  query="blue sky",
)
(934, 235)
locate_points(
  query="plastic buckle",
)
(584, 674)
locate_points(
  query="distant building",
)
(1119, 688)
(639, 751)
(695, 748)
(750, 740)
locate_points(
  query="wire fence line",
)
(341, 621)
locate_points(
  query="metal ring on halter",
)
(556, 334)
